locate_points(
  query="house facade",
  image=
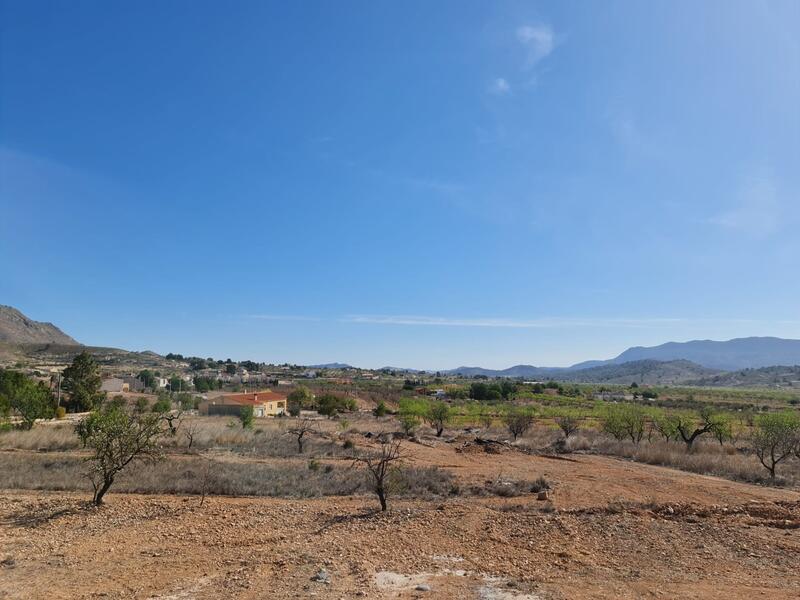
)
(265, 404)
(114, 385)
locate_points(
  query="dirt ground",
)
(612, 529)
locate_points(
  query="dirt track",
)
(619, 530)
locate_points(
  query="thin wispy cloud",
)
(539, 41)
(759, 211)
(282, 318)
(543, 323)
(514, 323)
(500, 87)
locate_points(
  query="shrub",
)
(61, 412)
(380, 410)
(162, 405)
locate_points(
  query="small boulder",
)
(321, 576)
(423, 587)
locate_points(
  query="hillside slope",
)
(16, 328)
(653, 372)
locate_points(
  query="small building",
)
(134, 383)
(265, 404)
(114, 385)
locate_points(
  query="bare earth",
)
(614, 529)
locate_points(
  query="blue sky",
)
(423, 184)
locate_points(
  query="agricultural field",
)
(534, 496)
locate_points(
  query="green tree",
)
(438, 416)
(162, 405)
(298, 399)
(147, 378)
(666, 424)
(330, 405)
(625, 420)
(723, 428)
(775, 438)
(246, 417)
(613, 422)
(30, 399)
(409, 423)
(176, 384)
(380, 410)
(117, 438)
(82, 382)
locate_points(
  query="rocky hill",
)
(16, 328)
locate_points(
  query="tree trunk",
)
(439, 431)
(98, 495)
(381, 497)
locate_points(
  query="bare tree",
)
(302, 427)
(205, 475)
(379, 467)
(518, 422)
(190, 430)
(568, 424)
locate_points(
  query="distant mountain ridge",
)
(713, 356)
(730, 355)
(16, 328)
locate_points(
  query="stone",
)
(321, 576)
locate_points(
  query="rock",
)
(321, 576)
(543, 495)
(422, 587)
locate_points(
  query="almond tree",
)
(691, 427)
(300, 430)
(518, 421)
(379, 468)
(775, 438)
(438, 416)
(118, 437)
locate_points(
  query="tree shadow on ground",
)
(32, 517)
(363, 515)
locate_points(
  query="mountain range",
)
(736, 362)
(731, 355)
